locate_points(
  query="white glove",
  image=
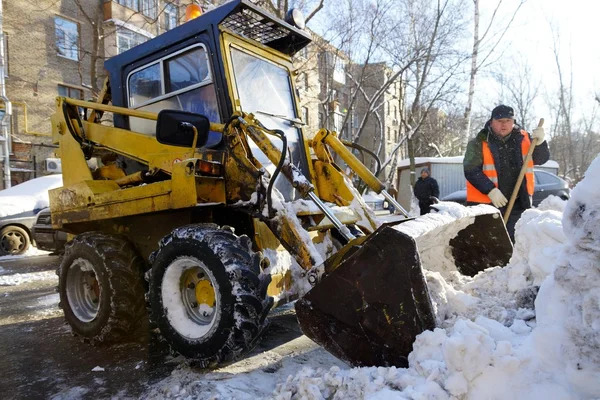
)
(498, 199)
(539, 134)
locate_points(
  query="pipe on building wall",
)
(5, 123)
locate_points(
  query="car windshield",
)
(265, 89)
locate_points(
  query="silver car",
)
(19, 209)
(15, 232)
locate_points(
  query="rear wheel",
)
(14, 240)
(207, 295)
(101, 287)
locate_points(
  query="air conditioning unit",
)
(53, 165)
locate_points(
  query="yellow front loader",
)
(190, 186)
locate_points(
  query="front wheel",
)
(207, 294)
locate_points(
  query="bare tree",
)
(518, 87)
(432, 79)
(562, 145)
(91, 54)
(280, 8)
(485, 44)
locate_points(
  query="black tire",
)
(101, 288)
(217, 309)
(14, 240)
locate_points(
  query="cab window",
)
(182, 81)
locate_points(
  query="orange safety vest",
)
(489, 170)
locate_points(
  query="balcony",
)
(114, 11)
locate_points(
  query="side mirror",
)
(175, 128)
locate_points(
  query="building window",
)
(339, 74)
(305, 115)
(182, 82)
(67, 38)
(320, 120)
(170, 15)
(388, 133)
(127, 39)
(148, 8)
(133, 4)
(395, 112)
(67, 91)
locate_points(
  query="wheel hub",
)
(83, 290)
(190, 294)
(12, 242)
(205, 293)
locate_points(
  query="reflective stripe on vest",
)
(489, 170)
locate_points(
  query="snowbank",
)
(492, 343)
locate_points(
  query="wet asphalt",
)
(41, 359)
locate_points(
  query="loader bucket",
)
(373, 299)
(369, 309)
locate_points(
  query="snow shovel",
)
(515, 192)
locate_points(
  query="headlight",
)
(296, 18)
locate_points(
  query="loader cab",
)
(233, 58)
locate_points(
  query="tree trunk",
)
(474, 55)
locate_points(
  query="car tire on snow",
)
(101, 288)
(14, 240)
(207, 295)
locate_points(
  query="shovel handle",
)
(515, 192)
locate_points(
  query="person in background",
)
(394, 193)
(426, 191)
(493, 161)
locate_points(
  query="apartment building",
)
(58, 48)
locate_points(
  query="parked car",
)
(375, 201)
(19, 209)
(45, 237)
(546, 184)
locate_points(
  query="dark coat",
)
(508, 160)
(425, 188)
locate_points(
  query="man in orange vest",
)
(494, 159)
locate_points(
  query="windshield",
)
(264, 89)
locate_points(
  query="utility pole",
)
(5, 122)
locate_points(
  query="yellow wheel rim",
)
(205, 293)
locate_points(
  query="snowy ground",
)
(497, 336)
(492, 341)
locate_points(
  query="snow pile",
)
(30, 252)
(567, 339)
(29, 195)
(19, 279)
(552, 203)
(491, 344)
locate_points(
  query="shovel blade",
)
(368, 310)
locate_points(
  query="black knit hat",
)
(503, 111)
